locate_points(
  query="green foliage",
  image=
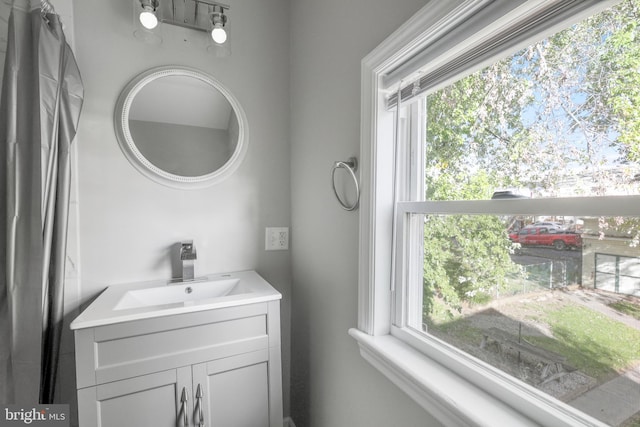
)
(549, 111)
(620, 85)
(466, 259)
(540, 117)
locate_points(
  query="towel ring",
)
(351, 166)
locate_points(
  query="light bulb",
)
(219, 35)
(148, 19)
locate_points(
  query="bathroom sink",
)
(142, 300)
(180, 293)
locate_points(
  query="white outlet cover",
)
(277, 238)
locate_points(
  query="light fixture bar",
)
(214, 3)
(183, 14)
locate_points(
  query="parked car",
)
(545, 236)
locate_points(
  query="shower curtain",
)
(42, 96)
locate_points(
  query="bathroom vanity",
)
(201, 353)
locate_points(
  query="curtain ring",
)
(351, 166)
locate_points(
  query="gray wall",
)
(332, 385)
(128, 224)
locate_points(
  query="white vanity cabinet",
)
(218, 367)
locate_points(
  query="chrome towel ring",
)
(351, 165)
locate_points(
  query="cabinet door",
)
(232, 392)
(148, 400)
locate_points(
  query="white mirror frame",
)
(148, 169)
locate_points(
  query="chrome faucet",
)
(188, 257)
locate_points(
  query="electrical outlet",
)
(277, 239)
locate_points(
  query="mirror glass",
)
(180, 127)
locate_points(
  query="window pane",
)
(558, 118)
(553, 301)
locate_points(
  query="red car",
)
(545, 236)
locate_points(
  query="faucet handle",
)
(188, 250)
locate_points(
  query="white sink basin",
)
(134, 301)
(181, 293)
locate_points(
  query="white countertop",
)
(104, 310)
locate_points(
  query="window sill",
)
(451, 399)
(448, 397)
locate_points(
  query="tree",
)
(554, 118)
(621, 87)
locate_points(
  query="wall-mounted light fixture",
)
(203, 15)
(218, 21)
(147, 16)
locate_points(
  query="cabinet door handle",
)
(184, 399)
(199, 405)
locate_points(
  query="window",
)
(514, 177)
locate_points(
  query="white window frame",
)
(456, 389)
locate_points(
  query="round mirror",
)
(180, 127)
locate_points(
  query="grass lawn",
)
(590, 341)
(627, 307)
(634, 422)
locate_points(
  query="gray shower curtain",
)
(42, 96)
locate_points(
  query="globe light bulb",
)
(148, 19)
(219, 35)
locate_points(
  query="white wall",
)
(129, 225)
(332, 385)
